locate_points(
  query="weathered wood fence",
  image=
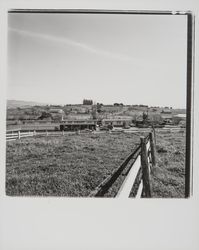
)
(17, 134)
(138, 166)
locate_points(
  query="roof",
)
(56, 111)
(78, 122)
(82, 117)
(180, 115)
(167, 116)
(166, 111)
(116, 119)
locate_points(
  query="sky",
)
(65, 58)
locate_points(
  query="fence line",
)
(126, 186)
(18, 134)
(137, 180)
(137, 166)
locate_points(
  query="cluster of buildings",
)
(87, 121)
(176, 119)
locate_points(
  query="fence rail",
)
(18, 134)
(138, 169)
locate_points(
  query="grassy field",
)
(66, 165)
(74, 165)
(168, 178)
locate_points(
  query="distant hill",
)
(22, 104)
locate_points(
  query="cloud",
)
(70, 42)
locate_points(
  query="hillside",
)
(22, 104)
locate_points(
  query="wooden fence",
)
(12, 135)
(15, 134)
(138, 167)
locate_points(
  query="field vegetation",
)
(74, 165)
(168, 178)
(70, 165)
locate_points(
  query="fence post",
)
(19, 134)
(145, 169)
(153, 151)
(46, 132)
(154, 134)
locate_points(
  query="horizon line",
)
(94, 103)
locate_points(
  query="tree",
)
(45, 115)
(144, 116)
(118, 104)
(94, 112)
(99, 106)
(87, 102)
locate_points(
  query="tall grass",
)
(168, 178)
(71, 165)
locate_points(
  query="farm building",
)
(117, 122)
(74, 125)
(179, 118)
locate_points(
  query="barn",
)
(74, 125)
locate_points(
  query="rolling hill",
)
(22, 104)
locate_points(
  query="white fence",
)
(12, 135)
(17, 134)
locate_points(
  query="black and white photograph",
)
(98, 104)
(99, 121)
